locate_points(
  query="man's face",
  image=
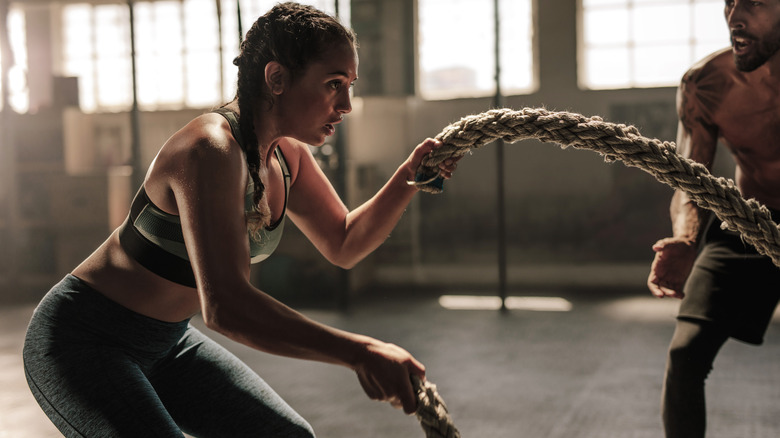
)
(755, 31)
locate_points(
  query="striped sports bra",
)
(154, 238)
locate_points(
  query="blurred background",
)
(92, 89)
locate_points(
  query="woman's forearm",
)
(259, 321)
(370, 224)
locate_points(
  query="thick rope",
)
(615, 142)
(432, 412)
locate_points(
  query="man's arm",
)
(699, 93)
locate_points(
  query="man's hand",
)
(671, 266)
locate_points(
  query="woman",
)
(109, 351)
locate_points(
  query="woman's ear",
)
(275, 77)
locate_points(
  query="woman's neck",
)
(266, 131)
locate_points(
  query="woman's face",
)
(313, 104)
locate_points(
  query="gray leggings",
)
(100, 370)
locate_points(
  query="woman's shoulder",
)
(208, 136)
(203, 144)
(294, 153)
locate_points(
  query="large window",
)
(182, 58)
(18, 92)
(457, 48)
(646, 43)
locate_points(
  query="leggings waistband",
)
(73, 311)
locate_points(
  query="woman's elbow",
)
(347, 258)
(216, 316)
(346, 263)
(212, 318)
(343, 261)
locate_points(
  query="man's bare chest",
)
(749, 123)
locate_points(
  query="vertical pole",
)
(500, 189)
(238, 20)
(341, 186)
(135, 123)
(7, 156)
(221, 43)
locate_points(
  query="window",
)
(96, 49)
(18, 92)
(457, 48)
(182, 58)
(646, 43)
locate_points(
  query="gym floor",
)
(594, 370)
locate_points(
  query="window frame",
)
(476, 92)
(697, 48)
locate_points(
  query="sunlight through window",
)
(178, 48)
(474, 302)
(646, 43)
(18, 91)
(457, 50)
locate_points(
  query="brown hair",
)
(293, 35)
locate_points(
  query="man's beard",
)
(763, 51)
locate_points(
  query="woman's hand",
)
(446, 167)
(384, 371)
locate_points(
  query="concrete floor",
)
(593, 371)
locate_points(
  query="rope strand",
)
(432, 412)
(614, 142)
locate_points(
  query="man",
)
(731, 291)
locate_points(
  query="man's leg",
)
(692, 351)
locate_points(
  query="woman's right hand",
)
(446, 167)
(384, 371)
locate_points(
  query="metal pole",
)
(135, 123)
(8, 159)
(500, 189)
(340, 147)
(238, 18)
(221, 43)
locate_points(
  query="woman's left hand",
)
(446, 167)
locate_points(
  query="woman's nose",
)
(345, 104)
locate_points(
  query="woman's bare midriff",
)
(111, 272)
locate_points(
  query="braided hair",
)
(293, 35)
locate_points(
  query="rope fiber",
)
(432, 412)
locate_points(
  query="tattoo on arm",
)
(702, 92)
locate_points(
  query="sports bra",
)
(154, 238)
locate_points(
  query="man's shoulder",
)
(721, 61)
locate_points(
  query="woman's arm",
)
(209, 186)
(345, 237)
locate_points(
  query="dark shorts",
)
(732, 285)
(100, 370)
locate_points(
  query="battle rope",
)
(432, 412)
(615, 142)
